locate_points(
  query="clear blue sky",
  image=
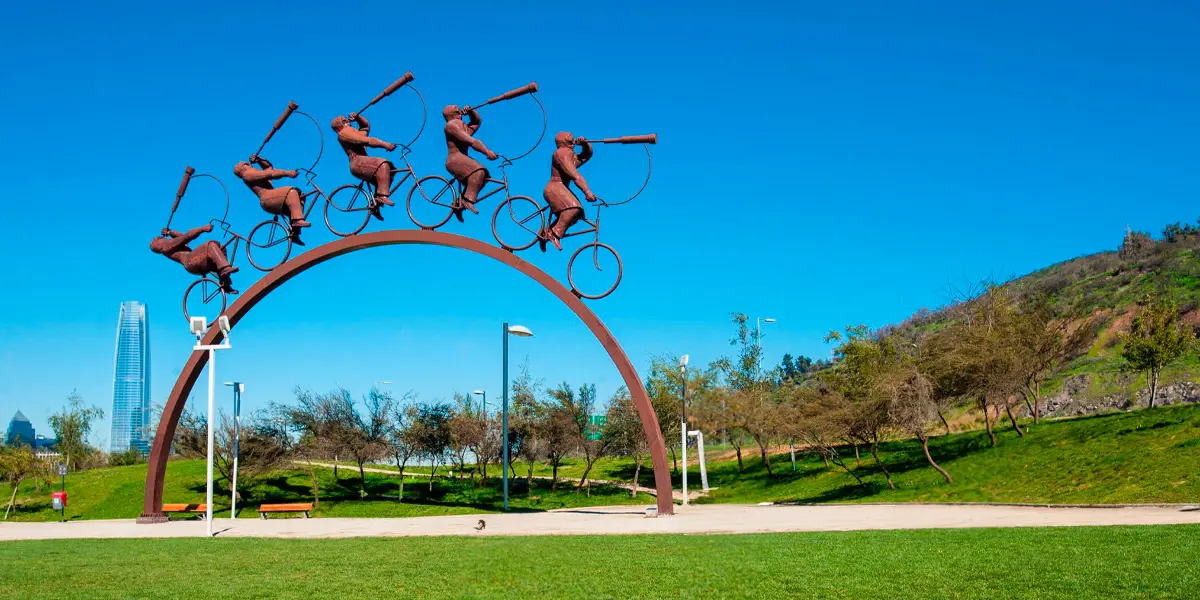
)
(822, 164)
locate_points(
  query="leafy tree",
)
(912, 407)
(863, 361)
(18, 464)
(1137, 245)
(1156, 339)
(528, 421)
(402, 440)
(71, 426)
(431, 430)
(623, 428)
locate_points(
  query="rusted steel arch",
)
(157, 468)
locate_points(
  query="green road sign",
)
(596, 425)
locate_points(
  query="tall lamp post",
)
(683, 361)
(238, 387)
(484, 394)
(758, 339)
(516, 330)
(199, 326)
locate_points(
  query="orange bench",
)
(285, 508)
(196, 509)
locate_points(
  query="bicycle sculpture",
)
(530, 216)
(431, 201)
(434, 210)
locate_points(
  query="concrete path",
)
(695, 519)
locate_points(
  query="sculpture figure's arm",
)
(565, 160)
(459, 132)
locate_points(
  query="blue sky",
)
(822, 164)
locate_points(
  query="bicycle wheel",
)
(431, 201)
(351, 206)
(518, 222)
(204, 298)
(602, 257)
(271, 243)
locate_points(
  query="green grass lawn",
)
(1044, 563)
(116, 493)
(1143, 456)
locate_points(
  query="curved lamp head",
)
(478, 392)
(520, 330)
(768, 320)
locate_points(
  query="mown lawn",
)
(116, 493)
(1044, 563)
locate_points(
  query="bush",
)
(131, 456)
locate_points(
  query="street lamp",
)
(758, 339)
(519, 331)
(683, 361)
(484, 394)
(199, 326)
(238, 387)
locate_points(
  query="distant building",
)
(20, 431)
(131, 379)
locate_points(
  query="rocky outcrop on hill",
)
(1075, 398)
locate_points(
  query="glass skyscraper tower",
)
(131, 380)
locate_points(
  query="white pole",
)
(233, 492)
(212, 368)
(700, 450)
(683, 431)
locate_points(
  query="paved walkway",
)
(695, 519)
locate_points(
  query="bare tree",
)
(623, 427)
(431, 432)
(912, 407)
(402, 439)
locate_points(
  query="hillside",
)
(1101, 291)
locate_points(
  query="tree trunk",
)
(875, 453)
(432, 471)
(674, 460)
(738, 449)
(1008, 409)
(12, 500)
(1028, 404)
(312, 473)
(1037, 405)
(766, 457)
(826, 459)
(362, 479)
(583, 480)
(857, 461)
(944, 423)
(929, 457)
(987, 419)
(400, 467)
(1153, 386)
(842, 464)
(637, 470)
(529, 480)
(553, 475)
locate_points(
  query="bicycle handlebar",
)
(628, 139)
(187, 178)
(389, 90)
(509, 95)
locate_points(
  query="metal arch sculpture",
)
(152, 505)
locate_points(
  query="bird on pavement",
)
(480, 526)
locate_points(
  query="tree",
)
(431, 431)
(191, 435)
(319, 419)
(558, 431)
(1137, 245)
(402, 440)
(71, 426)
(912, 407)
(1156, 339)
(862, 361)
(578, 409)
(623, 428)
(527, 421)
(1041, 343)
(18, 464)
(263, 445)
(467, 432)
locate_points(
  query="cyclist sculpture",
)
(208, 257)
(287, 200)
(564, 169)
(459, 138)
(371, 169)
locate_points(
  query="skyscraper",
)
(131, 379)
(20, 431)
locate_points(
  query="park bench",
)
(194, 509)
(285, 508)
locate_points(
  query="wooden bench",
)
(285, 508)
(194, 509)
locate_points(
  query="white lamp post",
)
(519, 331)
(238, 387)
(199, 326)
(683, 361)
(482, 393)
